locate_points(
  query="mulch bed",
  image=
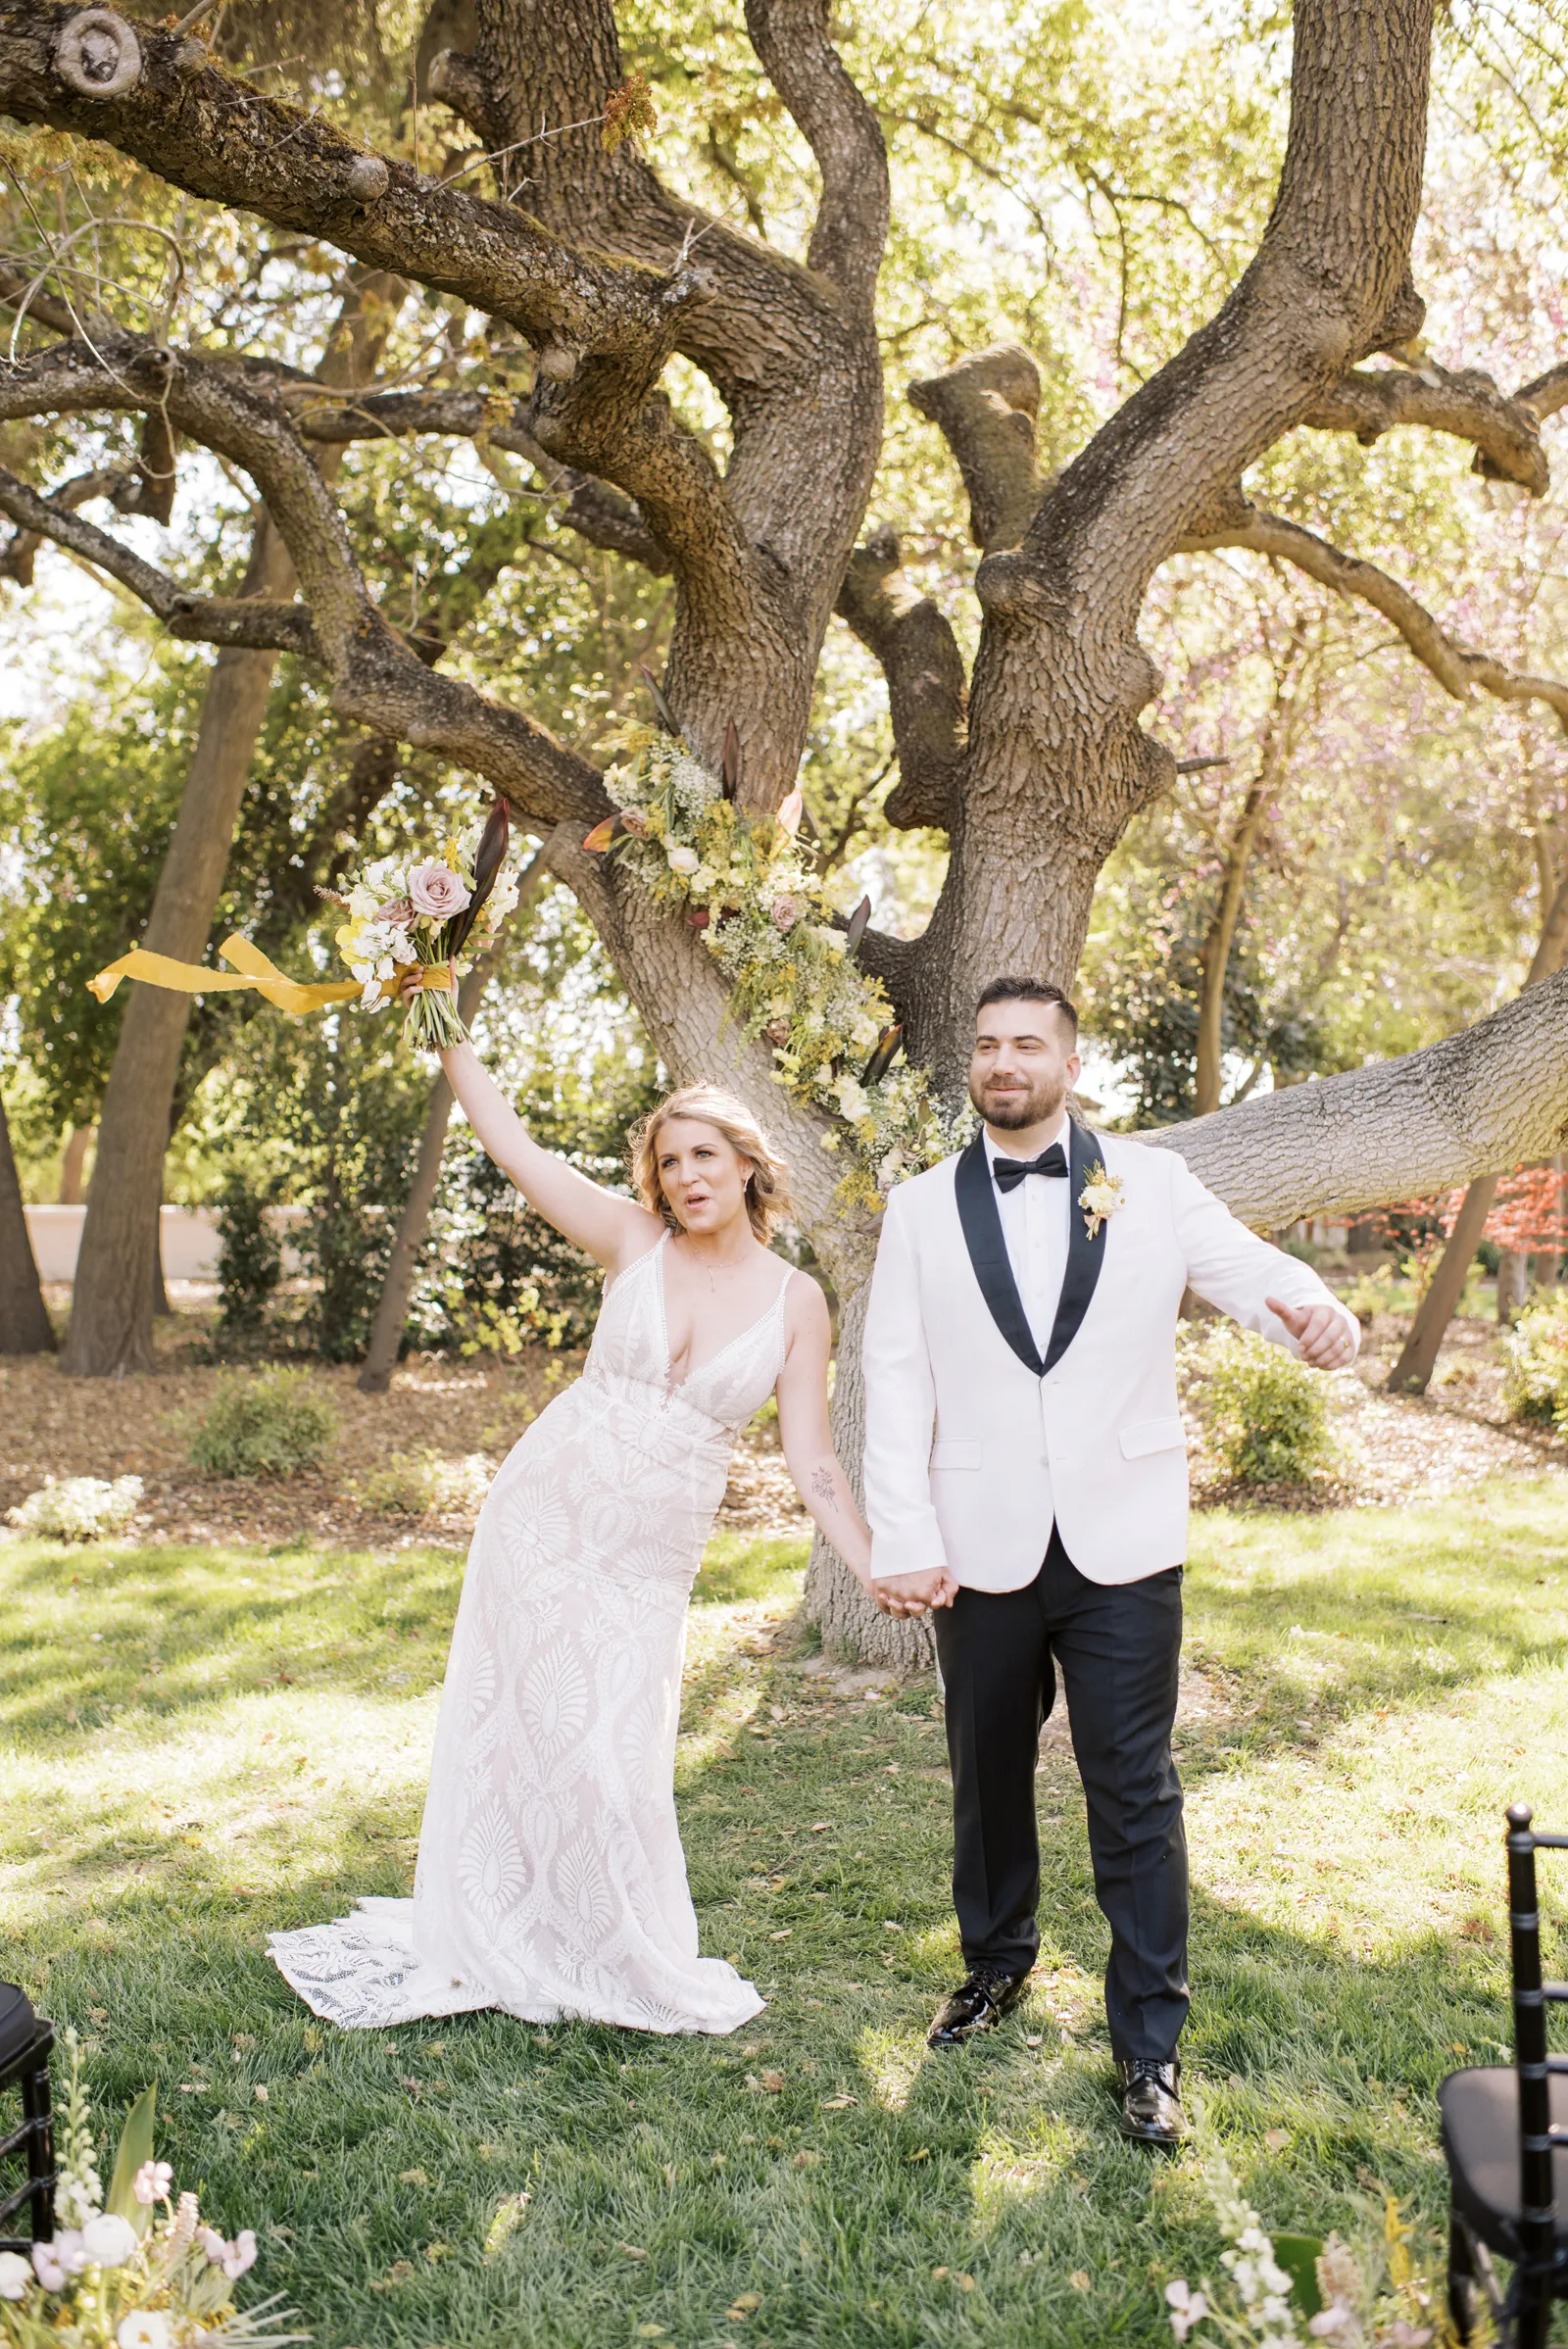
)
(1393, 1447)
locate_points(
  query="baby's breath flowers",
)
(764, 917)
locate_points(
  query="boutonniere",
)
(1100, 1197)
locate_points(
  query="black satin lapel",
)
(1085, 1256)
(988, 1251)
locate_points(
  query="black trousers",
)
(1116, 1646)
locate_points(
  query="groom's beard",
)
(1012, 1111)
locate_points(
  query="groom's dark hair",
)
(1028, 991)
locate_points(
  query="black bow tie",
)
(1011, 1172)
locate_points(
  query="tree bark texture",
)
(119, 1284)
(73, 1166)
(24, 1324)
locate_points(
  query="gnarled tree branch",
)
(249, 620)
(987, 409)
(920, 659)
(217, 136)
(791, 38)
(1505, 433)
(1491, 1097)
(1455, 667)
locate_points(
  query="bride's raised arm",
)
(611, 1229)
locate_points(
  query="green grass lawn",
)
(200, 1745)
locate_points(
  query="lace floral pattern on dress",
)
(551, 1880)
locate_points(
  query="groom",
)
(1026, 1477)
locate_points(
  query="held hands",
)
(915, 1593)
(1319, 1331)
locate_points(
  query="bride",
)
(551, 1880)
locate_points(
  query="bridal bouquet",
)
(118, 2278)
(419, 915)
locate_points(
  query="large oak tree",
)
(1034, 759)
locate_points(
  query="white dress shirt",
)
(1034, 1228)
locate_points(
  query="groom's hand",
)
(915, 1593)
(1319, 1331)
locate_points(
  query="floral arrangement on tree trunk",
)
(761, 906)
(1284, 2291)
(405, 916)
(118, 2278)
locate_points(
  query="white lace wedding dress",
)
(551, 1880)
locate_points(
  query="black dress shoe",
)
(1151, 2103)
(977, 2005)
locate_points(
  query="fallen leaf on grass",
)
(1079, 2280)
(260, 2093)
(805, 2160)
(922, 2154)
(744, 2305)
(965, 2284)
(1275, 2138)
(1032, 2039)
(783, 1934)
(650, 2333)
(839, 2104)
(412, 2177)
(772, 2081)
(399, 2272)
(939, 2274)
(509, 2217)
(632, 2250)
(436, 2251)
(819, 1826)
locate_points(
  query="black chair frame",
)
(1522, 2317)
(34, 2140)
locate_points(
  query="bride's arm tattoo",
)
(824, 1484)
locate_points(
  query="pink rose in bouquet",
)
(787, 912)
(436, 890)
(397, 913)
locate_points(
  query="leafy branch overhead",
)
(597, 287)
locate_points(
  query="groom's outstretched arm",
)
(901, 1404)
(1257, 1283)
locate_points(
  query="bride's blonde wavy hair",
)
(768, 1183)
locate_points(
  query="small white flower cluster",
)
(762, 914)
(1258, 2312)
(110, 2280)
(79, 1508)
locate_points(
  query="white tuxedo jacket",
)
(974, 1443)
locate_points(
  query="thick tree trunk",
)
(1412, 1372)
(25, 1325)
(73, 1190)
(113, 1296)
(119, 1284)
(392, 1310)
(1216, 948)
(1513, 1286)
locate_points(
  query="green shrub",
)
(414, 1483)
(264, 1423)
(250, 1257)
(1265, 1415)
(1535, 1378)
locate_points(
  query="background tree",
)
(603, 288)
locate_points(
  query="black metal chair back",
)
(1532, 2061)
(25, 2041)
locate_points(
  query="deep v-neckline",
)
(673, 1386)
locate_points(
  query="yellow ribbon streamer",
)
(254, 970)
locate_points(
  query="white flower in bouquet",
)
(143, 2328)
(108, 2239)
(15, 2276)
(691, 782)
(682, 860)
(852, 1099)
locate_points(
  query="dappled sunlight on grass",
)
(244, 1745)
